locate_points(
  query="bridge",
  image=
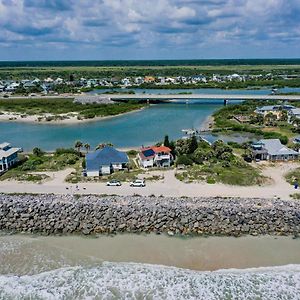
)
(170, 97)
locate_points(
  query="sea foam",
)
(141, 281)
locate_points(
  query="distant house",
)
(105, 161)
(273, 150)
(8, 156)
(295, 112)
(149, 79)
(155, 156)
(274, 109)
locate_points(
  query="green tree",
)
(78, 145)
(182, 147)
(270, 119)
(37, 151)
(166, 141)
(87, 147)
(220, 148)
(284, 116)
(193, 144)
(202, 154)
(184, 160)
(102, 145)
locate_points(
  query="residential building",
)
(296, 140)
(295, 112)
(155, 156)
(273, 150)
(105, 161)
(149, 79)
(274, 109)
(8, 156)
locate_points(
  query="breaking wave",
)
(142, 281)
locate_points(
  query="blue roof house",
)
(105, 161)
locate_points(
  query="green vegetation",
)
(293, 176)
(15, 174)
(63, 106)
(41, 162)
(295, 196)
(214, 163)
(253, 84)
(76, 72)
(268, 127)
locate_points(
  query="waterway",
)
(131, 130)
(149, 267)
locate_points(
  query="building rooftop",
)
(274, 147)
(4, 145)
(105, 157)
(149, 152)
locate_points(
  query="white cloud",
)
(134, 24)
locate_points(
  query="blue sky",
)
(148, 29)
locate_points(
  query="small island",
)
(62, 110)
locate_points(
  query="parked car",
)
(138, 183)
(114, 183)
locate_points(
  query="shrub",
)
(60, 151)
(37, 152)
(31, 164)
(210, 180)
(184, 160)
(132, 152)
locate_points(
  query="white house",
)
(155, 156)
(8, 157)
(272, 149)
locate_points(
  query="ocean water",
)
(141, 281)
(73, 267)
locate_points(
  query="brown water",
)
(136, 266)
(196, 253)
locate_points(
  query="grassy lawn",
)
(284, 130)
(214, 172)
(63, 106)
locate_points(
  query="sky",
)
(148, 29)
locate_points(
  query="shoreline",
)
(89, 215)
(207, 124)
(33, 119)
(191, 253)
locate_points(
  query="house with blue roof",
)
(105, 161)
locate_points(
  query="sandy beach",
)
(63, 119)
(169, 186)
(207, 124)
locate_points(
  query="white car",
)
(138, 183)
(114, 183)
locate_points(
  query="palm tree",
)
(87, 147)
(101, 146)
(78, 145)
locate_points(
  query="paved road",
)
(169, 186)
(203, 97)
(168, 97)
